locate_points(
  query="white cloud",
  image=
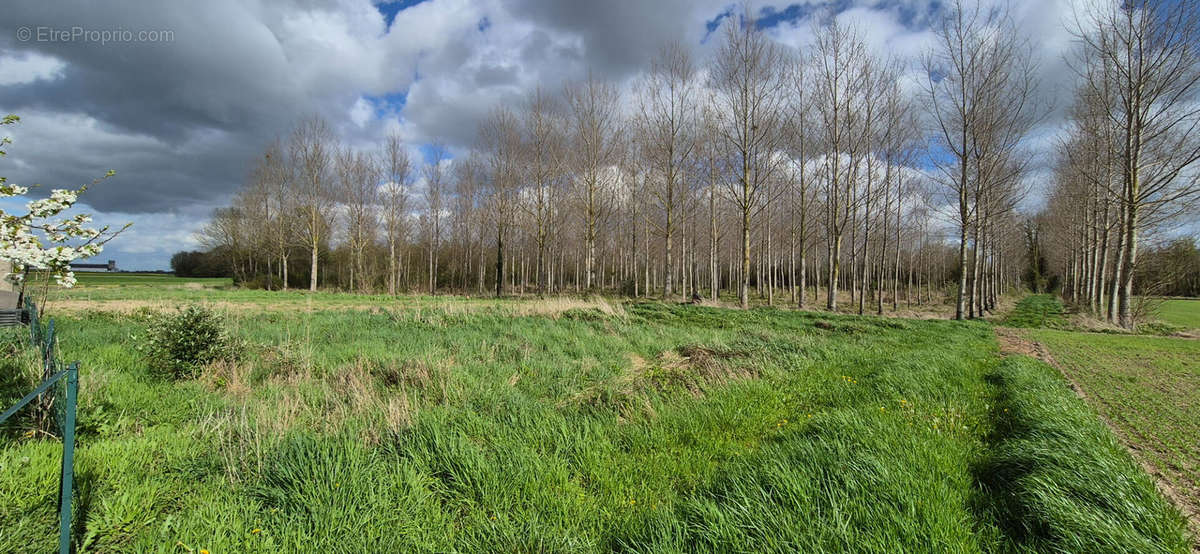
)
(361, 112)
(27, 67)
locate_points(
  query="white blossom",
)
(20, 244)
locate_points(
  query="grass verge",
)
(1057, 480)
(1148, 389)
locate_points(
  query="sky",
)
(179, 97)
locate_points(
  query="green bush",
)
(179, 344)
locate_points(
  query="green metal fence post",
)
(68, 461)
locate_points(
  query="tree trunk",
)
(499, 260)
(744, 292)
(312, 277)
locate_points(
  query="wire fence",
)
(58, 395)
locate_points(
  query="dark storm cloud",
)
(205, 100)
(620, 36)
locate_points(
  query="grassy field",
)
(157, 280)
(365, 424)
(1182, 312)
(1146, 387)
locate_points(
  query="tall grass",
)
(1056, 479)
(646, 427)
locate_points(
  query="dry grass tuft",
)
(354, 398)
(556, 306)
(693, 368)
(232, 376)
(354, 387)
(1088, 322)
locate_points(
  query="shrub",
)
(262, 282)
(178, 344)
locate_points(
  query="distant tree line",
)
(1172, 269)
(766, 170)
(196, 263)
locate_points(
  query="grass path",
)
(1145, 388)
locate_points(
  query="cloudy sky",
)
(178, 97)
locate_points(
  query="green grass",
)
(1037, 310)
(1182, 312)
(90, 279)
(181, 291)
(1056, 477)
(445, 424)
(1148, 388)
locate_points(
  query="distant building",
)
(95, 268)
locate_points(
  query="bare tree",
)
(796, 154)
(394, 198)
(898, 148)
(226, 232)
(281, 220)
(596, 132)
(800, 135)
(435, 184)
(981, 109)
(838, 57)
(358, 186)
(266, 202)
(666, 123)
(1150, 53)
(500, 138)
(748, 75)
(311, 147)
(544, 151)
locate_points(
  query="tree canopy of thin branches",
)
(826, 169)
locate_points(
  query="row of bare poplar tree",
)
(1129, 165)
(766, 168)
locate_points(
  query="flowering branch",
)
(21, 244)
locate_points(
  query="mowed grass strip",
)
(652, 427)
(1148, 388)
(1182, 312)
(1037, 311)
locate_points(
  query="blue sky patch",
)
(392, 102)
(390, 9)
